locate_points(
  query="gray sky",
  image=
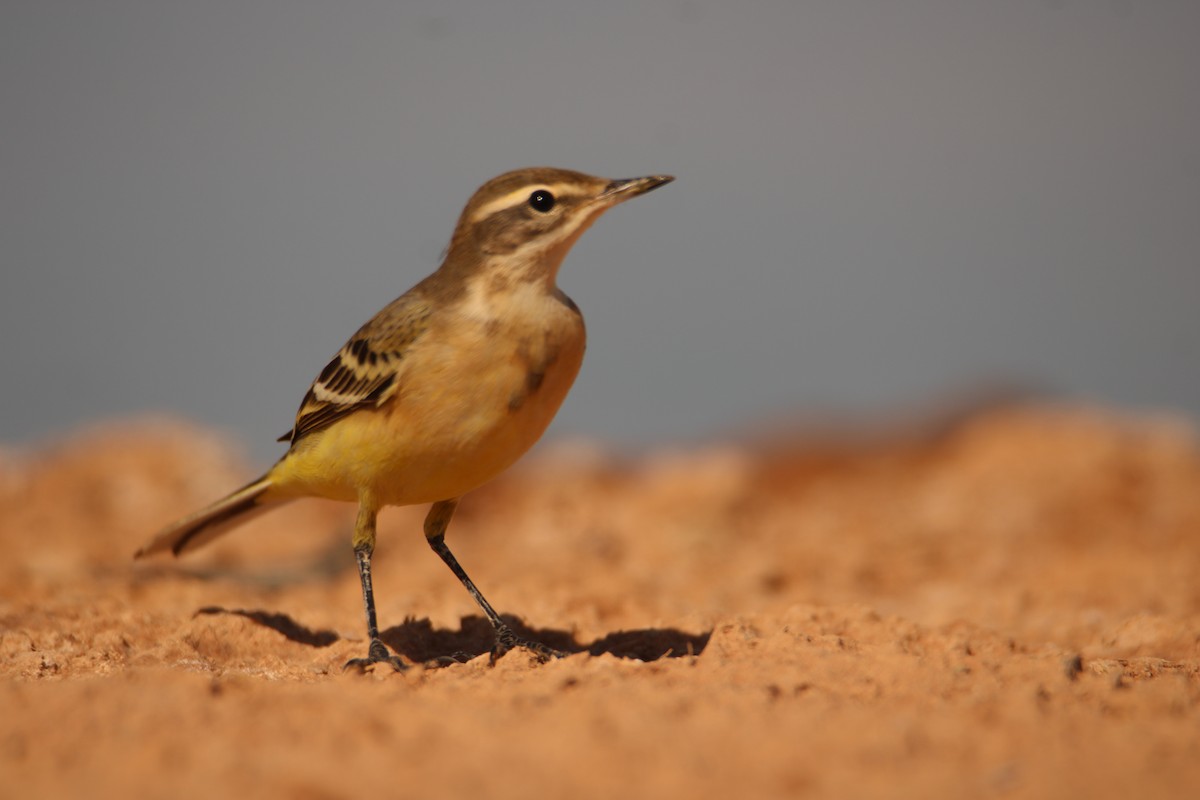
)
(879, 204)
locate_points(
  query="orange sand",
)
(1008, 607)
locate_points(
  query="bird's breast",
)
(486, 390)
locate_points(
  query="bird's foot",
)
(458, 657)
(377, 653)
(507, 639)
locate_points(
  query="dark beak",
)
(621, 190)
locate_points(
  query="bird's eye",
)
(541, 200)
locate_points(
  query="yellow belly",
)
(470, 403)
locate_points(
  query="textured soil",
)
(1004, 605)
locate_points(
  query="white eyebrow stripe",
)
(519, 196)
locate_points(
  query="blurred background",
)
(879, 205)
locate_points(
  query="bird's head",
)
(524, 222)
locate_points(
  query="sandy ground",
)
(1004, 606)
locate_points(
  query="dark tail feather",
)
(207, 524)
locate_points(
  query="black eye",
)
(541, 200)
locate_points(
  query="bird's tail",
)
(208, 523)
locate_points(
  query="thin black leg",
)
(506, 639)
(364, 546)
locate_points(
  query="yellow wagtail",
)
(446, 386)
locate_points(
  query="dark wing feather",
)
(366, 371)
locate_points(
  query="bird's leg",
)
(506, 639)
(364, 546)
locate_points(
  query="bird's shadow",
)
(280, 623)
(418, 641)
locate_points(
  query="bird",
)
(444, 388)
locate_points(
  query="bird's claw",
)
(377, 653)
(507, 639)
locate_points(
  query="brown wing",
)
(366, 371)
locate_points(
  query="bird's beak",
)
(621, 190)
